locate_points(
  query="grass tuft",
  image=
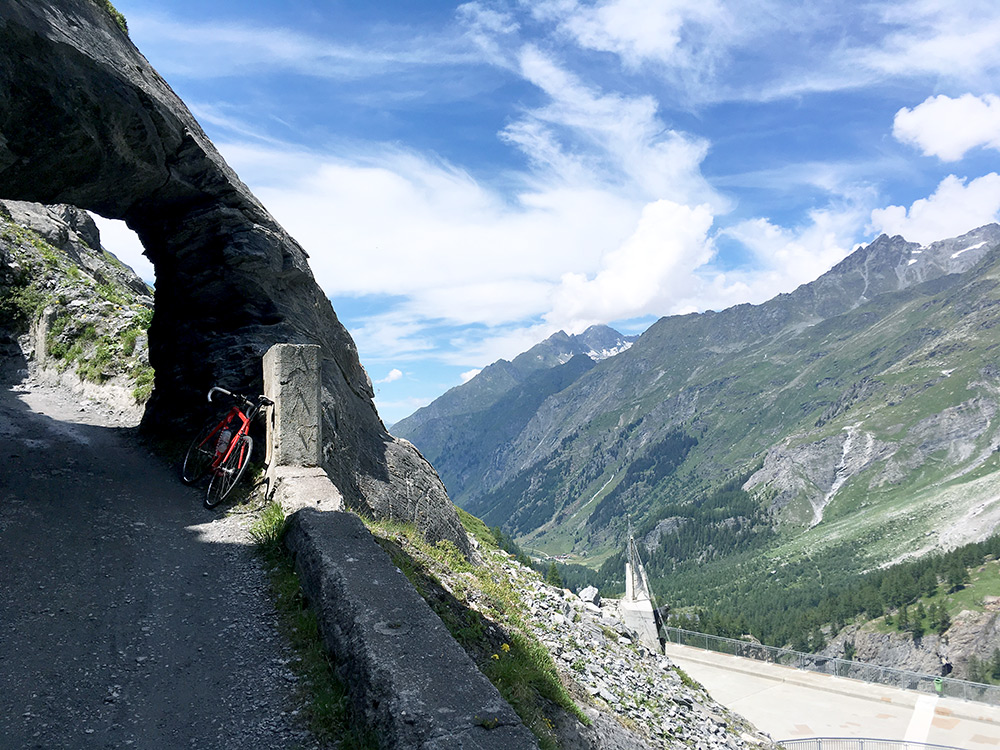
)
(324, 696)
(484, 614)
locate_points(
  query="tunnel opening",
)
(86, 121)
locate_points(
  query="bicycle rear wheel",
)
(200, 454)
(229, 472)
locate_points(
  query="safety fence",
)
(858, 743)
(900, 678)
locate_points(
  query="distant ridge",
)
(872, 388)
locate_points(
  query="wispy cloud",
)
(205, 48)
(596, 206)
(582, 131)
(959, 41)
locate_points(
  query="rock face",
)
(85, 120)
(972, 634)
(70, 312)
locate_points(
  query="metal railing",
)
(858, 743)
(855, 670)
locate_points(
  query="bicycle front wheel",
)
(229, 472)
(199, 455)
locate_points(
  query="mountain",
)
(461, 432)
(855, 418)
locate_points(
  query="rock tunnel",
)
(85, 120)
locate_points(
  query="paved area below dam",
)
(790, 704)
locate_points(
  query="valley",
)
(770, 453)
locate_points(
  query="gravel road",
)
(130, 616)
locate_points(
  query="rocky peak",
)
(602, 342)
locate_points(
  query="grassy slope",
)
(96, 324)
(783, 388)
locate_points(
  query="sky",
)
(469, 178)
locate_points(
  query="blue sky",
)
(469, 178)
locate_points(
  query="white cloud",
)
(787, 257)
(953, 209)
(452, 252)
(642, 276)
(392, 222)
(958, 41)
(947, 128)
(486, 28)
(647, 30)
(124, 244)
(584, 133)
(470, 374)
(394, 375)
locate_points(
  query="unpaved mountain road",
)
(130, 616)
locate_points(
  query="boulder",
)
(591, 595)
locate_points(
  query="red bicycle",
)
(223, 448)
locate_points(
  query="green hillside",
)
(826, 432)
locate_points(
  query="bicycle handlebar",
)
(215, 388)
(261, 400)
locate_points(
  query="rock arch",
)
(85, 120)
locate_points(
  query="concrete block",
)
(297, 487)
(292, 381)
(415, 686)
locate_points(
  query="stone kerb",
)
(412, 683)
(295, 477)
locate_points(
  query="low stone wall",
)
(407, 677)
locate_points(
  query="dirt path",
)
(130, 616)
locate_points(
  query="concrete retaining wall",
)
(407, 676)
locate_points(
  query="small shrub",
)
(266, 531)
(143, 318)
(116, 14)
(129, 338)
(144, 376)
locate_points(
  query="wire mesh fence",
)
(900, 678)
(858, 743)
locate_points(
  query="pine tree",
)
(817, 641)
(928, 582)
(943, 620)
(958, 575)
(552, 577)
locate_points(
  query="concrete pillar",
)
(292, 381)
(295, 476)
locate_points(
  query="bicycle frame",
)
(233, 415)
(223, 450)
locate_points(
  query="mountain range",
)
(853, 418)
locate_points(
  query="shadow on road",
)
(129, 615)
